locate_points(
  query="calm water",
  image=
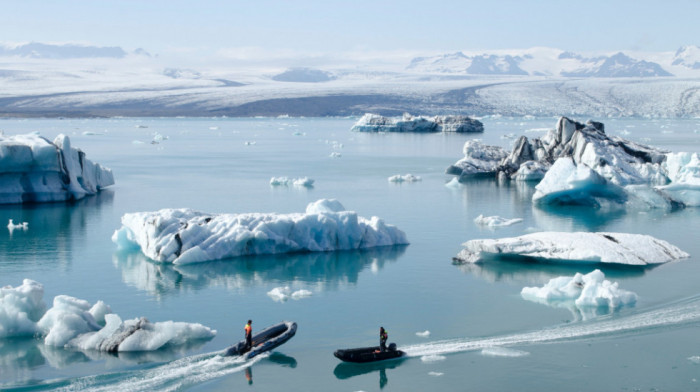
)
(224, 165)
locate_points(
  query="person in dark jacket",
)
(248, 336)
(383, 336)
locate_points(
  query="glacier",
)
(579, 247)
(408, 123)
(75, 323)
(186, 236)
(34, 169)
(580, 164)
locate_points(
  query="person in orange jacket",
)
(248, 336)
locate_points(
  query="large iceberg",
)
(75, 323)
(408, 123)
(579, 164)
(34, 169)
(581, 247)
(186, 236)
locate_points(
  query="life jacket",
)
(248, 329)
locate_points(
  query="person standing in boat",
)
(248, 336)
(383, 336)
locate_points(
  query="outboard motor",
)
(392, 346)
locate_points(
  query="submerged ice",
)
(580, 164)
(186, 236)
(75, 323)
(34, 169)
(581, 247)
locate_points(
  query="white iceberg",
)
(282, 294)
(34, 169)
(405, 178)
(408, 123)
(479, 160)
(187, 236)
(286, 181)
(75, 323)
(423, 334)
(495, 221)
(592, 248)
(583, 291)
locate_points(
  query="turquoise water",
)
(224, 165)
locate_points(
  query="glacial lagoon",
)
(483, 335)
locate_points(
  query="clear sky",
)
(265, 27)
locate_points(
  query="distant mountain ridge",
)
(552, 62)
(66, 51)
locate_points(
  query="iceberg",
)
(408, 123)
(583, 291)
(298, 182)
(398, 178)
(34, 169)
(581, 247)
(580, 164)
(185, 236)
(495, 221)
(75, 323)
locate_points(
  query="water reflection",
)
(521, 272)
(346, 370)
(19, 357)
(52, 230)
(326, 270)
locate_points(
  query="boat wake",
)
(679, 313)
(171, 376)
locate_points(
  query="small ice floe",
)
(214, 128)
(495, 221)
(581, 247)
(75, 323)
(158, 137)
(453, 183)
(503, 352)
(91, 133)
(250, 143)
(435, 374)
(508, 136)
(583, 291)
(11, 226)
(282, 294)
(423, 334)
(137, 142)
(432, 358)
(405, 178)
(335, 154)
(140, 126)
(695, 359)
(286, 181)
(297, 133)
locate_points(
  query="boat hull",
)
(265, 340)
(367, 354)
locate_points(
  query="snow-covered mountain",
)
(539, 62)
(688, 56)
(66, 51)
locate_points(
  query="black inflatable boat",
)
(265, 340)
(368, 354)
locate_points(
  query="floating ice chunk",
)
(435, 374)
(432, 358)
(408, 123)
(495, 221)
(250, 143)
(285, 181)
(405, 178)
(583, 291)
(282, 294)
(33, 169)
(186, 236)
(694, 359)
(479, 160)
(73, 322)
(503, 352)
(335, 155)
(21, 308)
(453, 183)
(11, 226)
(423, 334)
(616, 248)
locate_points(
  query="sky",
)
(307, 28)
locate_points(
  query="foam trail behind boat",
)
(683, 312)
(171, 376)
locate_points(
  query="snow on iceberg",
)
(580, 164)
(34, 169)
(186, 236)
(73, 322)
(592, 248)
(408, 123)
(583, 291)
(495, 221)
